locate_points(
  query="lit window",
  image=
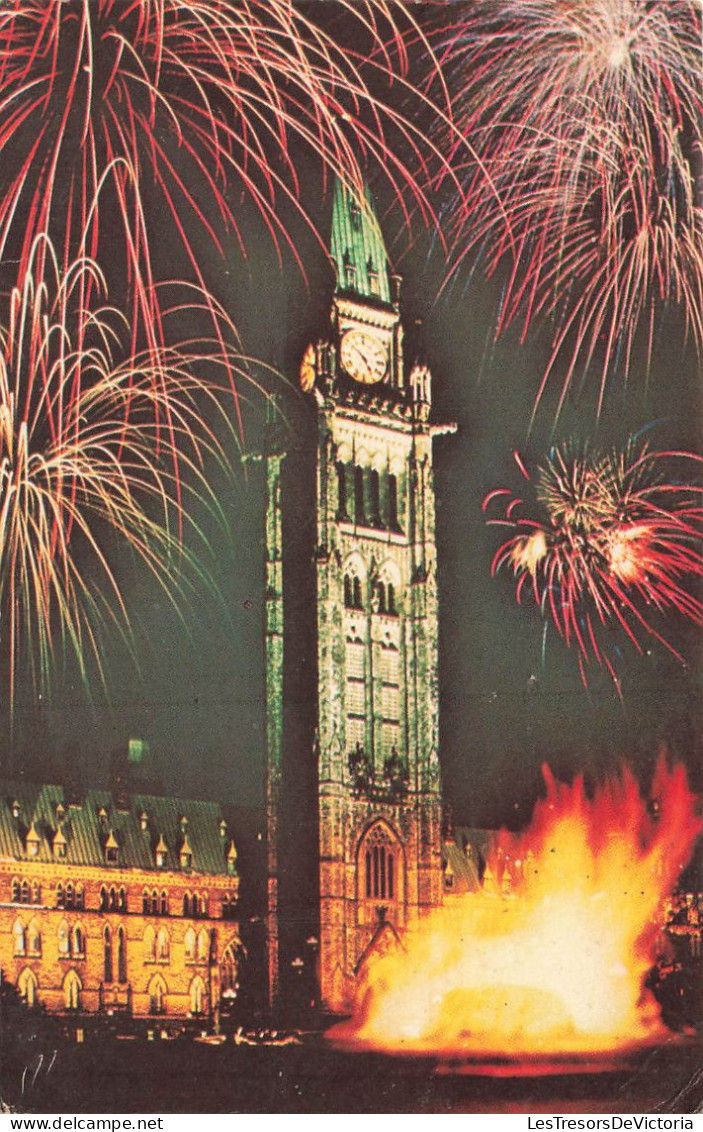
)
(149, 944)
(203, 946)
(72, 991)
(18, 938)
(379, 856)
(64, 940)
(162, 946)
(34, 939)
(197, 996)
(189, 943)
(28, 987)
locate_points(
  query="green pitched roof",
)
(356, 246)
(86, 833)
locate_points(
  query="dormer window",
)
(102, 816)
(184, 824)
(223, 828)
(232, 859)
(161, 853)
(59, 844)
(144, 821)
(112, 850)
(16, 810)
(32, 842)
(60, 811)
(186, 855)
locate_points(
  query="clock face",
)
(307, 369)
(364, 357)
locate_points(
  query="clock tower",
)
(353, 780)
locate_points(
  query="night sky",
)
(505, 708)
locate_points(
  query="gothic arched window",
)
(104, 901)
(25, 892)
(121, 956)
(342, 513)
(108, 971)
(203, 946)
(36, 893)
(375, 498)
(393, 522)
(72, 987)
(186, 904)
(163, 946)
(381, 865)
(18, 938)
(78, 941)
(15, 896)
(64, 940)
(197, 996)
(146, 902)
(33, 939)
(149, 944)
(28, 987)
(359, 501)
(189, 943)
(157, 991)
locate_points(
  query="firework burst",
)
(616, 544)
(86, 465)
(103, 102)
(586, 116)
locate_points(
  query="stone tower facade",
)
(366, 662)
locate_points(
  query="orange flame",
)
(558, 964)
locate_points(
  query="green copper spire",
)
(357, 248)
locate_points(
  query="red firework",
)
(617, 543)
(101, 100)
(585, 121)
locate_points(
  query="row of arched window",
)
(195, 904)
(367, 497)
(28, 940)
(70, 895)
(382, 597)
(21, 892)
(114, 899)
(28, 988)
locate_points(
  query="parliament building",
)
(117, 903)
(127, 902)
(353, 789)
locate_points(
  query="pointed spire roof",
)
(357, 248)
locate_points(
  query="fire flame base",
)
(557, 967)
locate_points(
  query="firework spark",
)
(587, 118)
(104, 102)
(617, 543)
(85, 465)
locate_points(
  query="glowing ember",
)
(557, 964)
